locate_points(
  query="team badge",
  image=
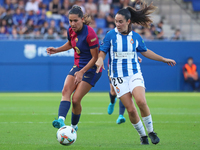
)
(76, 40)
(118, 90)
(131, 41)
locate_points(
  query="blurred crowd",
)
(48, 19)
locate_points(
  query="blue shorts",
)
(90, 76)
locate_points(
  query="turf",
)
(25, 122)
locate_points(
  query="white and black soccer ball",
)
(66, 135)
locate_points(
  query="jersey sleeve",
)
(92, 38)
(105, 45)
(141, 45)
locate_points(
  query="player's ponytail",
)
(87, 19)
(141, 16)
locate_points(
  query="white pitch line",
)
(49, 114)
(91, 122)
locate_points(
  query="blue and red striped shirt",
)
(82, 42)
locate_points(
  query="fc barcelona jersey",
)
(82, 42)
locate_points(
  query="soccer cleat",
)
(120, 119)
(154, 138)
(58, 123)
(144, 140)
(75, 127)
(111, 107)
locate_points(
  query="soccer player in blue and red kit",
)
(82, 77)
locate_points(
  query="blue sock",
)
(64, 108)
(121, 108)
(112, 98)
(75, 119)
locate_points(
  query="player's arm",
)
(94, 52)
(79, 74)
(151, 55)
(65, 47)
(99, 63)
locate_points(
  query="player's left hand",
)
(170, 62)
(78, 77)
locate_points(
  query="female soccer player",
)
(82, 77)
(122, 44)
(113, 99)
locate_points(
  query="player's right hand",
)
(51, 50)
(99, 64)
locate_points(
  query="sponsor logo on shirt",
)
(124, 55)
(92, 40)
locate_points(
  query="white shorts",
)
(123, 85)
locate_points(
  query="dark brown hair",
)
(141, 16)
(77, 10)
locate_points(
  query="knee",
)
(141, 103)
(131, 111)
(75, 101)
(66, 91)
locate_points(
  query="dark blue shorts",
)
(90, 76)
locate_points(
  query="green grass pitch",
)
(25, 123)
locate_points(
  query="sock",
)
(112, 98)
(121, 108)
(148, 123)
(140, 128)
(63, 109)
(75, 119)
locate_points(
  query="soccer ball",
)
(66, 135)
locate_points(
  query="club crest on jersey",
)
(118, 90)
(77, 50)
(76, 40)
(131, 41)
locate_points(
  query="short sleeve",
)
(141, 45)
(92, 38)
(105, 45)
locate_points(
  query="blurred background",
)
(28, 27)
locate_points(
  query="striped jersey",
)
(122, 51)
(82, 42)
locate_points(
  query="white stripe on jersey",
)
(111, 57)
(136, 58)
(129, 61)
(119, 61)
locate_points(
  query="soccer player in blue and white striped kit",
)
(122, 44)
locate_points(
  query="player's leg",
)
(134, 117)
(82, 89)
(113, 100)
(121, 86)
(139, 95)
(65, 103)
(121, 118)
(89, 80)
